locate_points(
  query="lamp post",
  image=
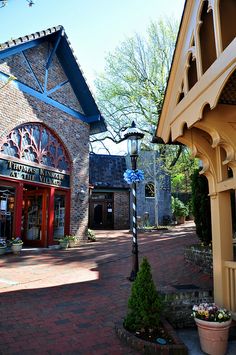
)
(134, 136)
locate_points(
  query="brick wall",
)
(121, 210)
(17, 108)
(200, 256)
(178, 306)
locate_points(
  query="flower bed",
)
(175, 347)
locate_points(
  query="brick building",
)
(47, 113)
(109, 198)
(110, 195)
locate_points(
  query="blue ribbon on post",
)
(133, 176)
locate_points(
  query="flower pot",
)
(72, 243)
(3, 250)
(64, 244)
(213, 336)
(180, 219)
(16, 248)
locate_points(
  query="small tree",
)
(201, 207)
(145, 304)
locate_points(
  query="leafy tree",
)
(132, 87)
(133, 84)
(201, 207)
(145, 304)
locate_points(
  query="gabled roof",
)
(106, 171)
(57, 37)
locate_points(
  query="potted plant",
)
(91, 235)
(179, 210)
(72, 241)
(16, 245)
(64, 242)
(213, 324)
(3, 246)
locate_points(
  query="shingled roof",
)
(58, 38)
(106, 171)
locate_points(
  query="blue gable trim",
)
(61, 47)
(48, 100)
(19, 48)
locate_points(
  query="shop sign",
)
(31, 173)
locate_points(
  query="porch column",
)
(222, 249)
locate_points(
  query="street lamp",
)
(134, 136)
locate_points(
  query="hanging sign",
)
(35, 174)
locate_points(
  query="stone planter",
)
(64, 244)
(72, 243)
(3, 250)
(213, 336)
(145, 347)
(16, 248)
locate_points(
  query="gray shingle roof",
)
(106, 171)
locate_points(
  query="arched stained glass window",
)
(35, 143)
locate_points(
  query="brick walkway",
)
(66, 302)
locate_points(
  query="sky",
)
(94, 27)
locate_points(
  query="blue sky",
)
(94, 27)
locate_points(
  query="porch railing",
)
(230, 267)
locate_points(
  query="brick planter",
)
(200, 256)
(145, 347)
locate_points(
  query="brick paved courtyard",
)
(66, 302)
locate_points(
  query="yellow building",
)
(199, 111)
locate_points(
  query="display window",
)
(34, 186)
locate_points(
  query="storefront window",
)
(7, 203)
(59, 216)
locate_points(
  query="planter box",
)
(145, 347)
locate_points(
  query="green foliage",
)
(145, 304)
(91, 235)
(178, 208)
(181, 171)
(201, 207)
(133, 84)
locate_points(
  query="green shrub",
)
(91, 235)
(178, 208)
(145, 304)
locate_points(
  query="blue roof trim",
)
(48, 100)
(4, 53)
(71, 68)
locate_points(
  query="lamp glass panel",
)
(133, 145)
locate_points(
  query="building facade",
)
(47, 113)
(109, 203)
(200, 111)
(154, 193)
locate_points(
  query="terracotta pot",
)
(180, 219)
(213, 336)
